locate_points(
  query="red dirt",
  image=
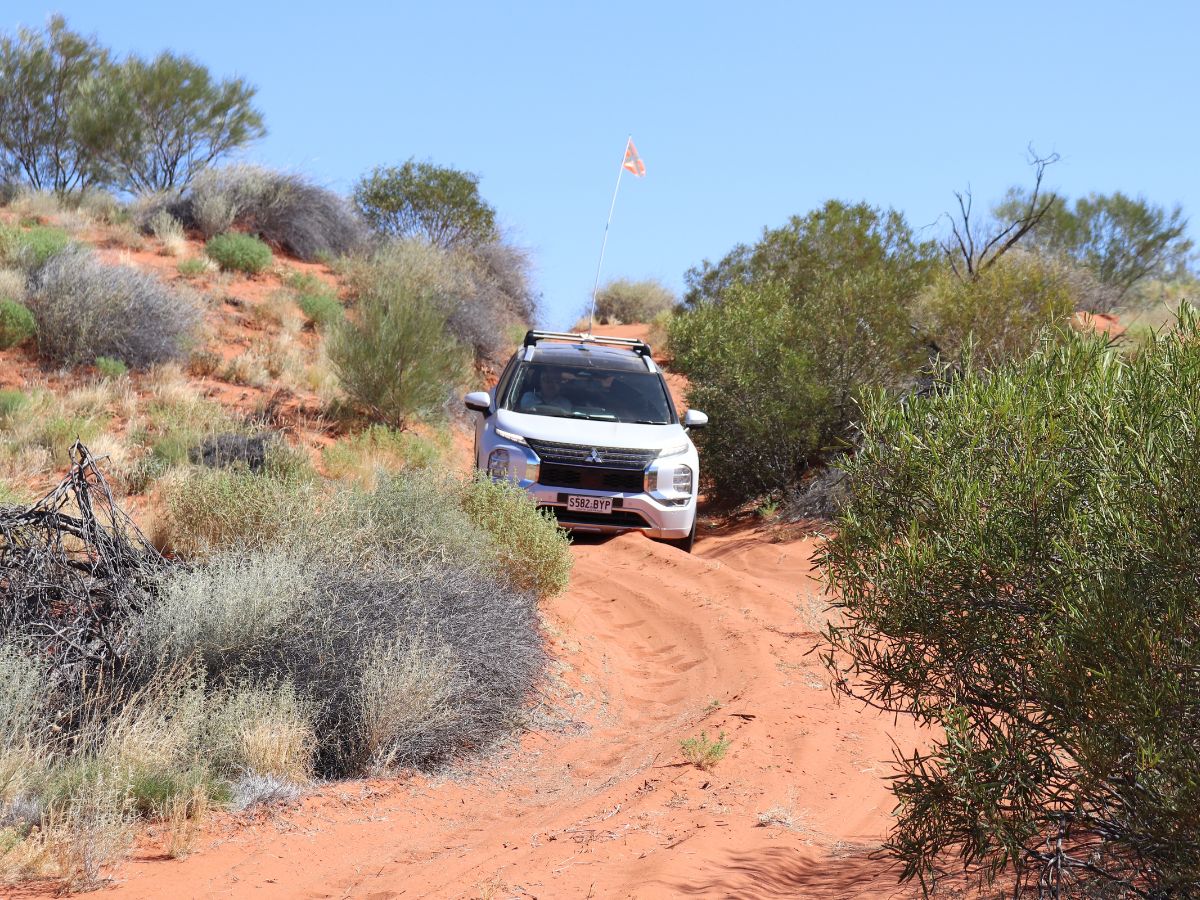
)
(1100, 322)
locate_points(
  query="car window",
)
(541, 389)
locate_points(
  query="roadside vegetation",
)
(1015, 567)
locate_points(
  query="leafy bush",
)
(395, 358)
(17, 324)
(528, 543)
(1016, 566)
(28, 249)
(432, 203)
(783, 338)
(623, 300)
(481, 290)
(235, 252)
(85, 309)
(839, 239)
(1002, 312)
(322, 309)
(780, 375)
(287, 211)
(110, 368)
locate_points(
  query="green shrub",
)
(703, 752)
(433, 203)
(17, 324)
(235, 252)
(110, 367)
(395, 358)
(1002, 312)
(624, 300)
(780, 375)
(29, 249)
(85, 309)
(322, 309)
(482, 290)
(782, 338)
(195, 267)
(529, 546)
(1016, 569)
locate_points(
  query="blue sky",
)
(744, 115)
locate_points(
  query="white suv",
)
(587, 426)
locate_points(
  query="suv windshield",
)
(573, 392)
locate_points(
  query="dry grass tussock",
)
(313, 632)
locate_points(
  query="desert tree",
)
(42, 74)
(1122, 240)
(419, 199)
(156, 124)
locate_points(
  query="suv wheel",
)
(684, 544)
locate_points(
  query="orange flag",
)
(633, 163)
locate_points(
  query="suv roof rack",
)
(641, 348)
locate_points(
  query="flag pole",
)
(604, 243)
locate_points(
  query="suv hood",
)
(583, 431)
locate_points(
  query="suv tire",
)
(685, 543)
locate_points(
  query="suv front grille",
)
(592, 478)
(586, 455)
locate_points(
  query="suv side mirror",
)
(693, 418)
(480, 401)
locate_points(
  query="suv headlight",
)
(682, 480)
(499, 465)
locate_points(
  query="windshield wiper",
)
(606, 418)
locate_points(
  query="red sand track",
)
(653, 646)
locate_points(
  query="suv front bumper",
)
(631, 512)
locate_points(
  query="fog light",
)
(498, 465)
(650, 481)
(682, 481)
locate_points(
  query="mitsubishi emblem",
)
(595, 457)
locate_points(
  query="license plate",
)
(590, 504)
